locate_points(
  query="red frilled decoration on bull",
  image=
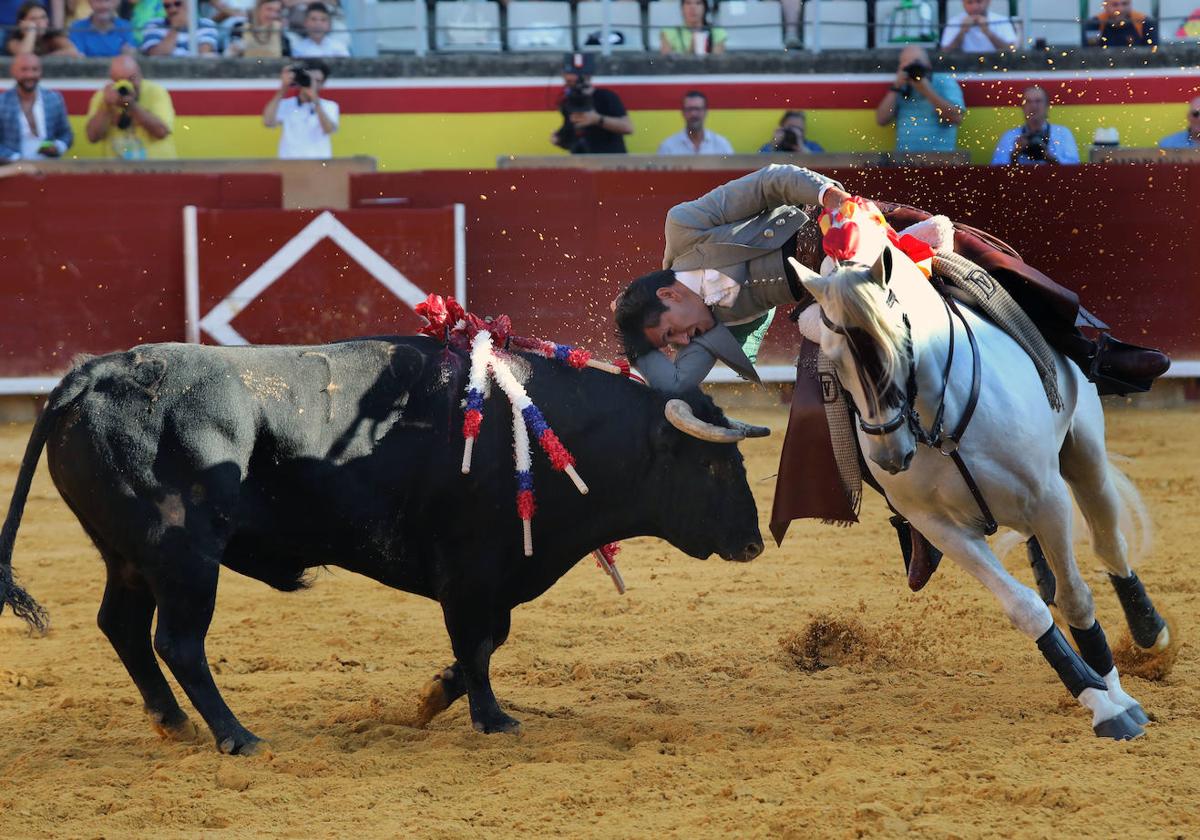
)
(485, 342)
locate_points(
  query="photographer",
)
(307, 119)
(927, 107)
(1037, 141)
(792, 136)
(594, 119)
(132, 116)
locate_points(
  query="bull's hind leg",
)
(1052, 527)
(1084, 464)
(125, 616)
(186, 591)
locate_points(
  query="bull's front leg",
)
(476, 627)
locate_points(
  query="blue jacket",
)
(58, 127)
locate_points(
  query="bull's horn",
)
(748, 429)
(679, 414)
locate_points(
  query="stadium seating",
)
(625, 17)
(537, 26)
(390, 26)
(1054, 21)
(755, 25)
(843, 25)
(661, 14)
(895, 26)
(1171, 15)
(466, 26)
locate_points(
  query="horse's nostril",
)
(752, 550)
(908, 459)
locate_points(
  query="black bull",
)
(177, 459)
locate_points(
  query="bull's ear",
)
(881, 271)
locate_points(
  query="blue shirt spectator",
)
(927, 107)
(1037, 141)
(169, 35)
(103, 33)
(1189, 138)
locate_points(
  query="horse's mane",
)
(860, 301)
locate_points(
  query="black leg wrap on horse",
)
(1070, 667)
(1093, 647)
(1043, 575)
(904, 534)
(1144, 621)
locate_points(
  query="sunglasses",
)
(172, 5)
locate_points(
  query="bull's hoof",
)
(498, 722)
(1119, 728)
(244, 743)
(176, 726)
(435, 698)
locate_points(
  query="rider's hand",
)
(834, 198)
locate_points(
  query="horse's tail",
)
(23, 606)
(1134, 519)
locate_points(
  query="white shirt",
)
(328, 48)
(681, 144)
(710, 284)
(302, 135)
(976, 41)
(30, 139)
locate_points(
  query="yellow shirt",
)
(135, 143)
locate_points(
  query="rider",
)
(725, 270)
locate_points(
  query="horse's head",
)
(867, 337)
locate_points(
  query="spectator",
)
(978, 30)
(262, 36)
(33, 120)
(1037, 141)
(791, 136)
(696, 36)
(694, 139)
(230, 11)
(927, 107)
(294, 12)
(1189, 138)
(307, 120)
(33, 35)
(102, 33)
(8, 12)
(133, 116)
(316, 42)
(1118, 25)
(169, 35)
(594, 119)
(791, 24)
(144, 11)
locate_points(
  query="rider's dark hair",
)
(639, 307)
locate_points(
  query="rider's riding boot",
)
(920, 557)
(1114, 366)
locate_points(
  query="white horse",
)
(910, 361)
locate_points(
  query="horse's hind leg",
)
(1052, 527)
(1029, 615)
(1084, 464)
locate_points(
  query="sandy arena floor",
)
(675, 710)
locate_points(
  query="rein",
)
(946, 444)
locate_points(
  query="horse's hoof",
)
(1119, 728)
(1162, 641)
(245, 744)
(179, 729)
(1137, 714)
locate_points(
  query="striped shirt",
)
(157, 30)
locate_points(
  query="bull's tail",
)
(23, 606)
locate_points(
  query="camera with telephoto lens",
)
(125, 88)
(790, 141)
(916, 71)
(1035, 146)
(578, 99)
(301, 77)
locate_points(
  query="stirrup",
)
(1105, 349)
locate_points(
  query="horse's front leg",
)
(1031, 616)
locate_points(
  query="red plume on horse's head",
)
(841, 243)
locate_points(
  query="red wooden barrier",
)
(552, 247)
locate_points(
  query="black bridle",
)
(907, 415)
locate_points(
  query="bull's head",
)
(698, 486)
